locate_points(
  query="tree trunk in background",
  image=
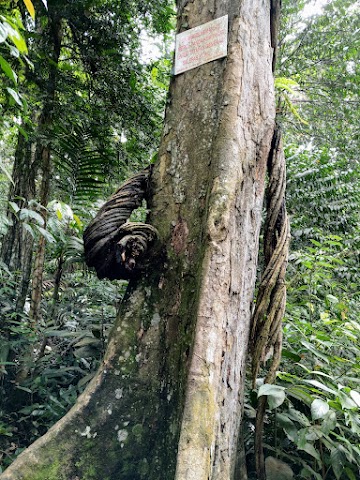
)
(43, 159)
(167, 402)
(44, 154)
(37, 276)
(30, 156)
(17, 245)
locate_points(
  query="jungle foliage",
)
(106, 101)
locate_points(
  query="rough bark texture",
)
(167, 402)
(240, 145)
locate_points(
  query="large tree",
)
(168, 400)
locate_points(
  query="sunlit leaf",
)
(3, 31)
(26, 214)
(15, 96)
(355, 396)
(319, 409)
(6, 173)
(30, 8)
(321, 386)
(46, 234)
(15, 207)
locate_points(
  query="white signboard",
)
(201, 44)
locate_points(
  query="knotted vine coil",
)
(114, 246)
(266, 334)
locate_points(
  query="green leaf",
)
(61, 334)
(337, 462)
(29, 229)
(85, 379)
(4, 31)
(87, 341)
(15, 96)
(294, 110)
(288, 354)
(24, 389)
(19, 42)
(283, 83)
(275, 394)
(50, 238)
(355, 396)
(315, 351)
(26, 214)
(314, 242)
(350, 473)
(319, 409)
(299, 392)
(321, 386)
(7, 174)
(299, 417)
(310, 449)
(288, 426)
(6, 68)
(329, 422)
(346, 402)
(23, 132)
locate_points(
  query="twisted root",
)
(114, 246)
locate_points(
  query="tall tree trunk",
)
(44, 154)
(17, 245)
(167, 402)
(37, 277)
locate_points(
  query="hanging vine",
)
(266, 334)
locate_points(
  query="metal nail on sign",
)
(201, 44)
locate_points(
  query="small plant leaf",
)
(15, 96)
(319, 409)
(275, 394)
(6, 68)
(355, 396)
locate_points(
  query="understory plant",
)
(313, 422)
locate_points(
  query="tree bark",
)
(17, 244)
(44, 155)
(167, 402)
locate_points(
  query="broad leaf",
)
(355, 396)
(275, 394)
(6, 68)
(15, 96)
(319, 409)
